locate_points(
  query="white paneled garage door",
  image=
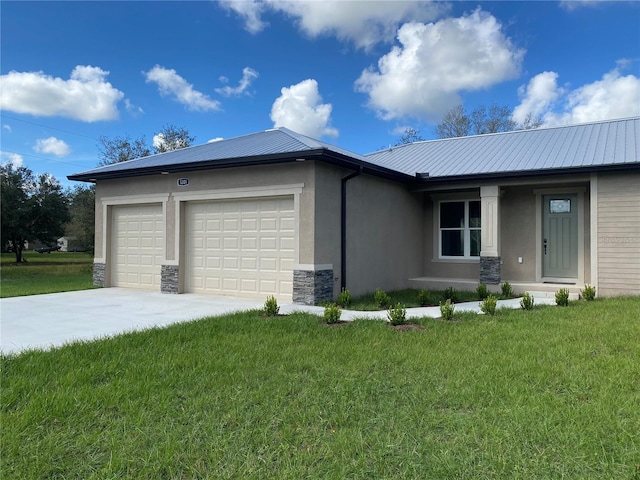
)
(242, 248)
(137, 245)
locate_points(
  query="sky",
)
(352, 73)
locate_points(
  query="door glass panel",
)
(560, 206)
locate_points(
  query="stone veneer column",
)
(490, 234)
(169, 275)
(310, 287)
(98, 274)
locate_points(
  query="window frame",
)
(466, 229)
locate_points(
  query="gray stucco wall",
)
(385, 235)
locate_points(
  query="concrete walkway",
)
(52, 320)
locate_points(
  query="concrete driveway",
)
(45, 321)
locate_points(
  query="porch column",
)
(490, 234)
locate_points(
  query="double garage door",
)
(242, 247)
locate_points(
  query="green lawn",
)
(551, 393)
(45, 273)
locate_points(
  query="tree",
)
(121, 149)
(124, 148)
(172, 138)
(82, 211)
(458, 123)
(32, 208)
(410, 135)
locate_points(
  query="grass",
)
(45, 273)
(548, 393)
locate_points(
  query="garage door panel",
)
(137, 246)
(242, 248)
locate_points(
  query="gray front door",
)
(560, 236)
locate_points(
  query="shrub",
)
(381, 299)
(271, 307)
(332, 313)
(449, 294)
(526, 303)
(488, 305)
(507, 291)
(344, 299)
(423, 298)
(588, 292)
(482, 291)
(397, 315)
(562, 297)
(447, 309)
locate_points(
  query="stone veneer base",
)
(490, 270)
(169, 275)
(99, 270)
(310, 287)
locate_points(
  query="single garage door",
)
(137, 244)
(243, 248)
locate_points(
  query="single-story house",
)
(279, 213)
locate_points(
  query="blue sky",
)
(353, 73)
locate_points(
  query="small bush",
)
(344, 299)
(482, 291)
(526, 302)
(488, 305)
(271, 307)
(423, 298)
(447, 309)
(332, 313)
(449, 294)
(507, 291)
(381, 299)
(562, 297)
(588, 293)
(397, 315)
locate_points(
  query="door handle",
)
(545, 246)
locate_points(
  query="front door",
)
(560, 237)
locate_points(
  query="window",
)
(460, 229)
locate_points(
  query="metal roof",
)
(272, 144)
(604, 144)
(601, 144)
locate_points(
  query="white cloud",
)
(300, 109)
(170, 83)
(364, 23)
(13, 158)
(53, 146)
(249, 10)
(85, 96)
(213, 140)
(132, 109)
(613, 96)
(423, 76)
(7, 128)
(248, 76)
(572, 5)
(541, 92)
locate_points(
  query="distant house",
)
(276, 212)
(68, 244)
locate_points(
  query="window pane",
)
(474, 214)
(560, 206)
(452, 215)
(453, 243)
(475, 243)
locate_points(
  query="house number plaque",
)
(183, 182)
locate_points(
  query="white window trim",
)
(467, 231)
